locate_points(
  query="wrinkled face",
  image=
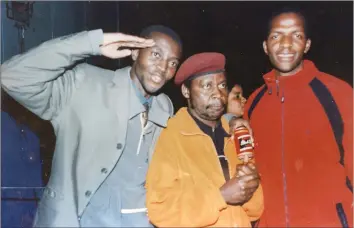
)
(207, 96)
(286, 43)
(155, 66)
(236, 101)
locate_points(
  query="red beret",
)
(199, 65)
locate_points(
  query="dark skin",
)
(240, 188)
(236, 101)
(207, 97)
(154, 66)
(286, 44)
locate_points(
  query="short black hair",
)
(146, 32)
(286, 10)
(187, 84)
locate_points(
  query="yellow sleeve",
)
(255, 206)
(173, 198)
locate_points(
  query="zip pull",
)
(282, 97)
(270, 91)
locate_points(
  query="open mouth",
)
(157, 79)
(286, 57)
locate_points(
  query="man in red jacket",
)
(302, 121)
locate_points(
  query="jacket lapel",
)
(118, 91)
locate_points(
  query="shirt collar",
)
(140, 96)
(209, 130)
(301, 78)
(156, 114)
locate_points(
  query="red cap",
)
(199, 65)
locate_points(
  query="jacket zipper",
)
(286, 208)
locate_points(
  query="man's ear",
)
(307, 46)
(135, 54)
(185, 91)
(265, 47)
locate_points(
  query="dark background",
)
(235, 29)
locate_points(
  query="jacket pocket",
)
(341, 215)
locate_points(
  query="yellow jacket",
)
(184, 178)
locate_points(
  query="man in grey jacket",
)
(106, 122)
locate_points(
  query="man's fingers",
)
(135, 44)
(246, 168)
(240, 173)
(247, 178)
(250, 187)
(123, 53)
(118, 53)
(252, 166)
(129, 44)
(126, 37)
(246, 159)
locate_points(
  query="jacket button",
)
(88, 193)
(103, 170)
(51, 193)
(119, 146)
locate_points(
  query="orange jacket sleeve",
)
(255, 206)
(173, 199)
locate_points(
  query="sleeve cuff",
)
(96, 39)
(229, 116)
(221, 204)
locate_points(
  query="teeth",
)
(286, 55)
(156, 79)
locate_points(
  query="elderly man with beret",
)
(195, 178)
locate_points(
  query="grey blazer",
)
(88, 108)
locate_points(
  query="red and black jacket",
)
(303, 127)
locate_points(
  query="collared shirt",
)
(143, 100)
(120, 201)
(218, 136)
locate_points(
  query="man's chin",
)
(287, 68)
(216, 116)
(152, 89)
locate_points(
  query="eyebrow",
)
(161, 50)
(175, 58)
(156, 47)
(222, 81)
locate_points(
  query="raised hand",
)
(119, 45)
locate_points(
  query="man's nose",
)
(286, 42)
